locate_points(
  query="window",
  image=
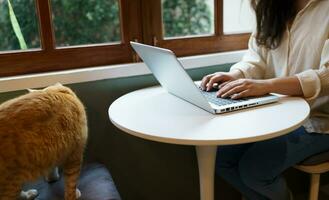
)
(50, 35)
(238, 17)
(82, 22)
(11, 33)
(186, 18)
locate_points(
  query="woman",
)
(288, 54)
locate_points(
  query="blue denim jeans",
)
(255, 169)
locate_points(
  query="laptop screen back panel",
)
(171, 75)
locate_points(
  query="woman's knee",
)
(256, 163)
(261, 164)
(229, 156)
(250, 174)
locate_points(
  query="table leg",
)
(206, 160)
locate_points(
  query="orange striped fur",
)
(38, 131)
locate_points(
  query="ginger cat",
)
(39, 131)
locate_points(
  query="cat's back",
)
(53, 116)
(41, 107)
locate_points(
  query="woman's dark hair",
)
(272, 18)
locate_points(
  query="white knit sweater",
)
(303, 52)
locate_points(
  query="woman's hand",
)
(221, 78)
(245, 88)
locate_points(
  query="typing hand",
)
(244, 88)
(218, 80)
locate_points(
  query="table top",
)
(154, 114)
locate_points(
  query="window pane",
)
(18, 29)
(81, 22)
(187, 17)
(238, 17)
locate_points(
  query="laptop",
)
(172, 76)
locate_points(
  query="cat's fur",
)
(38, 131)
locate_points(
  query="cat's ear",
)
(58, 84)
(58, 87)
(31, 90)
(53, 87)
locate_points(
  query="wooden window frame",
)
(146, 27)
(219, 42)
(52, 58)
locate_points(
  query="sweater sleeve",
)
(253, 63)
(315, 83)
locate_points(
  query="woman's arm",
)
(248, 87)
(252, 66)
(287, 86)
(310, 84)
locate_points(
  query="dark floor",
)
(297, 181)
(301, 191)
(323, 194)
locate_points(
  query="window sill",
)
(13, 83)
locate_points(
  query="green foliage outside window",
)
(96, 21)
(25, 12)
(86, 21)
(186, 17)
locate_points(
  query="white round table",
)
(156, 115)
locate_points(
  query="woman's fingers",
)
(209, 80)
(229, 86)
(242, 94)
(221, 78)
(223, 84)
(234, 90)
(205, 81)
(212, 81)
(243, 88)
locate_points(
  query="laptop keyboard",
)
(211, 97)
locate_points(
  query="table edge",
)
(207, 142)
